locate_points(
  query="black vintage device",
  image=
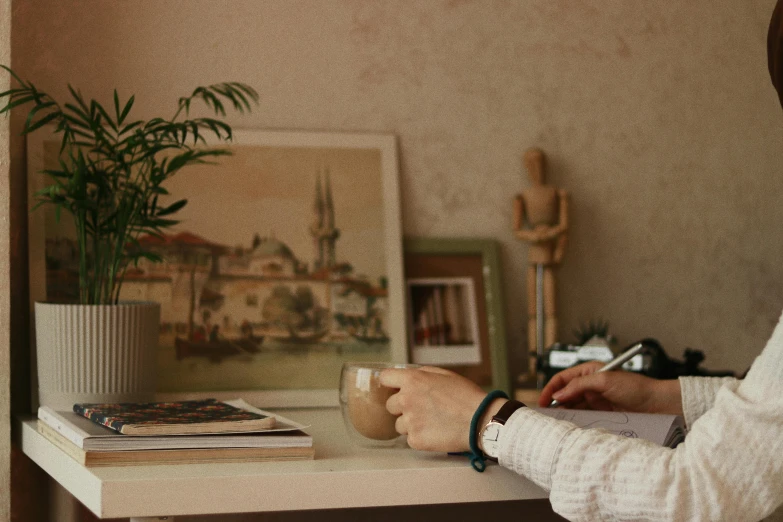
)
(651, 361)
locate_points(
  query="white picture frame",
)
(363, 187)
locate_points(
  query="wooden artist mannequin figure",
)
(541, 219)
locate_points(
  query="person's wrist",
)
(662, 396)
(490, 411)
(669, 394)
(476, 454)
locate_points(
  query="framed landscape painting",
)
(286, 262)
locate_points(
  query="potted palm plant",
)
(110, 181)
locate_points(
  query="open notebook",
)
(666, 430)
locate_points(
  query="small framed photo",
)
(455, 308)
(444, 321)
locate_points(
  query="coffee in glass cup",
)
(363, 403)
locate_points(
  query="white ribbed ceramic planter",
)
(96, 353)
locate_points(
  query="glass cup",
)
(363, 404)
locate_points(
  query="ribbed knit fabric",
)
(698, 394)
(730, 466)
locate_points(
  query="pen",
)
(614, 363)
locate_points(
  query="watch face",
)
(490, 439)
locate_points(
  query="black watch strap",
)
(506, 410)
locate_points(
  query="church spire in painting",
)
(329, 205)
(323, 230)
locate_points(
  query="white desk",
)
(341, 476)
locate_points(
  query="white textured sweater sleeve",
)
(729, 467)
(698, 394)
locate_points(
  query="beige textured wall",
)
(658, 117)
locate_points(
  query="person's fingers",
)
(546, 394)
(558, 381)
(561, 379)
(576, 388)
(435, 369)
(394, 404)
(401, 425)
(393, 377)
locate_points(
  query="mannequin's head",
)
(775, 49)
(534, 164)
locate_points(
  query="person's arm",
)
(728, 468)
(581, 387)
(698, 394)
(584, 387)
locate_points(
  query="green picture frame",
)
(462, 259)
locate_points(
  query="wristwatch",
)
(492, 432)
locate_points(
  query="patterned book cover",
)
(174, 418)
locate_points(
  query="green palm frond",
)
(112, 170)
(593, 328)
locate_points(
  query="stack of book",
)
(201, 431)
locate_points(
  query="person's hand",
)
(434, 407)
(580, 387)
